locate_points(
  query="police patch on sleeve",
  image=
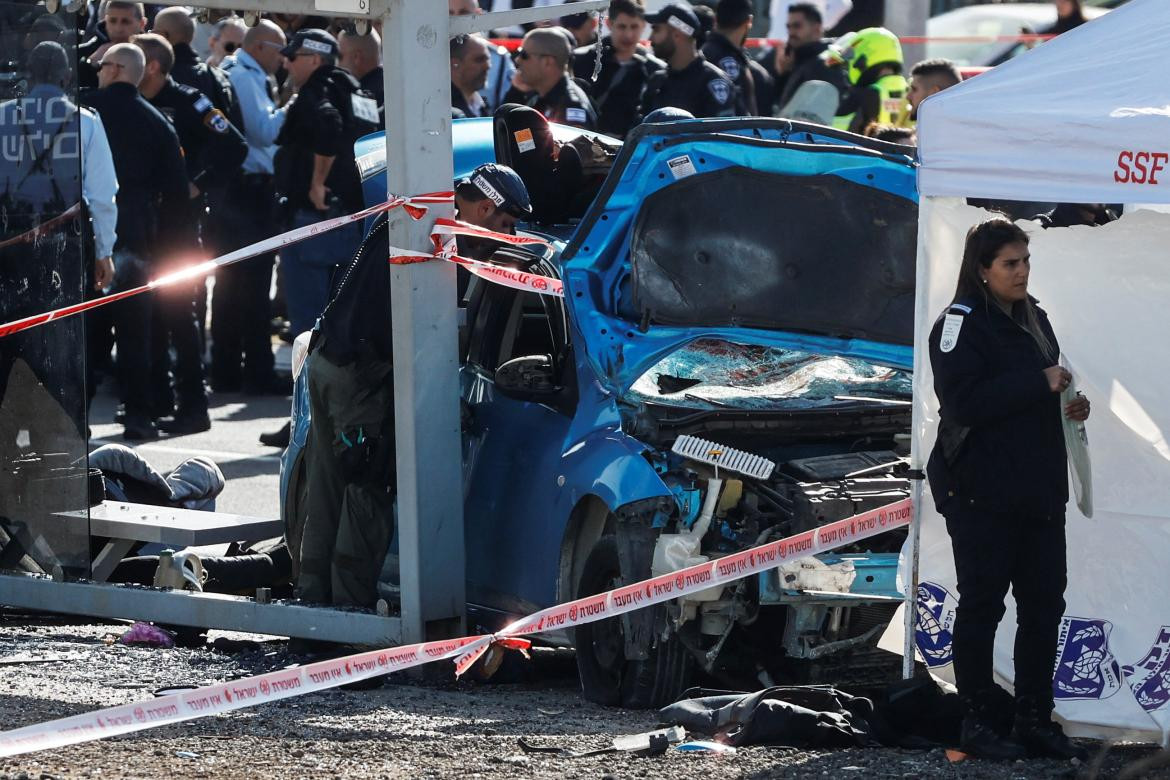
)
(203, 103)
(720, 90)
(576, 115)
(952, 324)
(216, 121)
(729, 66)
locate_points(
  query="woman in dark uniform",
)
(998, 473)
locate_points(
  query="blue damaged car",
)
(730, 286)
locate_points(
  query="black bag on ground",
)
(814, 716)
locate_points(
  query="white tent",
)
(1084, 118)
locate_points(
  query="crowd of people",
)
(216, 133)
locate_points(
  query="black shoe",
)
(182, 424)
(138, 428)
(979, 740)
(279, 438)
(226, 386)
(1040, 736)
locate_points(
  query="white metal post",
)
(426, 369)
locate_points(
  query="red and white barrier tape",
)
(43, 228)
(446, 229)
(238, 694)
(415, 206)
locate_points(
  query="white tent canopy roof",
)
(1082, 119)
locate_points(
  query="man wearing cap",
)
(543, 62)
(492, 197)
(315, 168)
(350, 456)
(689, 81)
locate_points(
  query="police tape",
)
(445, 230)
(32, 234)
(415, 206)
(322, 675)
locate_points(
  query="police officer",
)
(998, 474)
(724, 48)
(361, 55)
(350, 456)
(153, 218)
(542, 66)
(689, 82)
(625, 68)
(878, 90)
(492, 197)
(176, 25)
(315, 168)
(241, 341)
(213, 151)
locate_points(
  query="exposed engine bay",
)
(726, 500)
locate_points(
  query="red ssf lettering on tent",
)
(1139, 167)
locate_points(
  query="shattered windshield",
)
(714, 374)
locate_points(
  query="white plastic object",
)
(722, 457)
(635, 742)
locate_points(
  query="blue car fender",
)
(610, 465)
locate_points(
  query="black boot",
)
(1040, 735)
(979, 737)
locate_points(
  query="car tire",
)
(607, 676)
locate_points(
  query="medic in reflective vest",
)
(873, 57)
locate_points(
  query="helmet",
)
(667, 114)
(864, 49)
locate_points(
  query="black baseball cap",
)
(313, 40)
(679, 15)
(502, 186)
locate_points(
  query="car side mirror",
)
(529, 378)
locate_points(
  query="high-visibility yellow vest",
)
(893, 109)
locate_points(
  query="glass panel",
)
(45, 255)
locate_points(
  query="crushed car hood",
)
(750, 231)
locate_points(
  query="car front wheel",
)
(607, 676)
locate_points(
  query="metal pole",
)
(426, 368)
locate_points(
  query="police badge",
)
(729, 66)
(720, 89)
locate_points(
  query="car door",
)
(511, 451)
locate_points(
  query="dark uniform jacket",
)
(731, 59)
(617, 93)
(807, 65)
(374, 83)
(208, 79)
(316, 124)
(1000, 443)
(213, 148)
(152, 180)
(566, 103)
(700, 88)
(357, 322)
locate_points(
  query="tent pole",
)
(909, 598)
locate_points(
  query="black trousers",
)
(174, 323)
(992, 552)
(126, 323)
(241, 343)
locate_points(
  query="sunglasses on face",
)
(230, 46)
(522, 54)
(110, 65)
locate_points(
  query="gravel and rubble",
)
(406, 729)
